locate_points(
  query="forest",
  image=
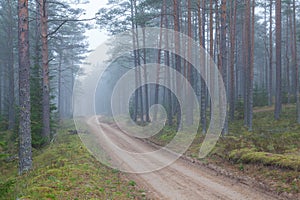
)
(253, 44)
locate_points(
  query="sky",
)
(95, 36)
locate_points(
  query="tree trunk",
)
(211, 31)
(11, 103)
(189, 117)
(25, 154)
(223, 55)
(140, 90)
(59, 102)
(270, 93)
(177, 59)
(167, 63)
(247, 61)
(287, 58)
(266, 47)
(211, 43)
(136, 101)
(201, 26)
(251, 70)
(232, 52)
(45, 63)
(295, 63)
(278, 61)
(158, 64)
(146, 78)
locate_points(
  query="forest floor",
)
(263, 164)
(183, 179)
(64, 170)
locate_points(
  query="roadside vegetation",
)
(270, 154)
(62, 170)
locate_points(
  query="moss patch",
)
(269, 159)
(65, 170)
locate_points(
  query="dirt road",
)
(180, 180)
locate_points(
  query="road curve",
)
(180, 180)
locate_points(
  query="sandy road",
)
(179, 180)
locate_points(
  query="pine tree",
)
(25, 154)
(278, 95)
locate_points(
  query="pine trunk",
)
(223, 55)
(158, 65)
(167, 63)
(295, 60)
(11, 103)
(25, 153)
(232, 56)
(45, 64)
(270, 91)
(189, 117)
(177, 58)
(201, 20)
(278, 61)
(146, 78)
(251, 69)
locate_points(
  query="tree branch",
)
(53, 32)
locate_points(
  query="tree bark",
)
(223, 54)
(251, 69)
(189, 117)
(232, 52)
(278, 61)
(136, 101)
(145, 77)
(11, 103)
(167, 63)
(287, 58)
(295, 63)
(177, 58)
(25, 153)
(247, 61)
(45, 63)
(201, 26)
(59, 103)
(140, 90)
(158, 64)
(270, 93)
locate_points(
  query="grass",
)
(65, 170)
(270, 153)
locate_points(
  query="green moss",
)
(65, 170)
(268, 159)
(273, 147)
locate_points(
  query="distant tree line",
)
(255, 44)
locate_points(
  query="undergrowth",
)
(271, 152)
(65, 170)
